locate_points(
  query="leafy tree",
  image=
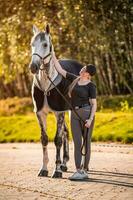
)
(91, 31)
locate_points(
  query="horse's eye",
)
(45, 45)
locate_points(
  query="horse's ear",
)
(47, 29)
(35, 29)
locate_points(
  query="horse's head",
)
(41, 50)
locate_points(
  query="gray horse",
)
(46, 97)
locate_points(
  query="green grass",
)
(113, 126)
(24, 128)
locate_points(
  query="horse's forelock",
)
(40, 35)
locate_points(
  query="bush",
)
(128, 139)
(123, 103)
(24, 105)
(15, 105)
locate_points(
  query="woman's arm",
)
(58, 66)
(93, 103)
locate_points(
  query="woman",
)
(83, 98)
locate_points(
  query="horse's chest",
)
(42, 82)
(44, 85)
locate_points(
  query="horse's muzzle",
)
(33, 68)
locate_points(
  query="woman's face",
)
(83, 72)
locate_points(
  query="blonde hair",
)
(72, 85)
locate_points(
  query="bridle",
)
(45, 65)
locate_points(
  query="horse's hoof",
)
(57, 174)
(63, 168)
(43, 173)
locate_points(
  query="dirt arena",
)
(110, 176)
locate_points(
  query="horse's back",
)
(72, 66)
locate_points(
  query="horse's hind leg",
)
(65, 148)
(58, 143)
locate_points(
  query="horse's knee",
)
(44, 139)
(41, 116)
(58, 141)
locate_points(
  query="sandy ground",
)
(110, 176)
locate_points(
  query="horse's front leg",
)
(41, 115)
(58, 143)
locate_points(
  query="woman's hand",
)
(88, 123)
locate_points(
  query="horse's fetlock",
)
(58, 162)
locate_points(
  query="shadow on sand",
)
(108, 181)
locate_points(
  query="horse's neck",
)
(52, 72)
(42, 79)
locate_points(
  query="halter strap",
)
(42, 58)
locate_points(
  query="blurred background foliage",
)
(90, 31)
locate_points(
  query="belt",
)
(82, 106)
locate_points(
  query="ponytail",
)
(72, 85)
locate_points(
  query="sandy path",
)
(111, 174)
